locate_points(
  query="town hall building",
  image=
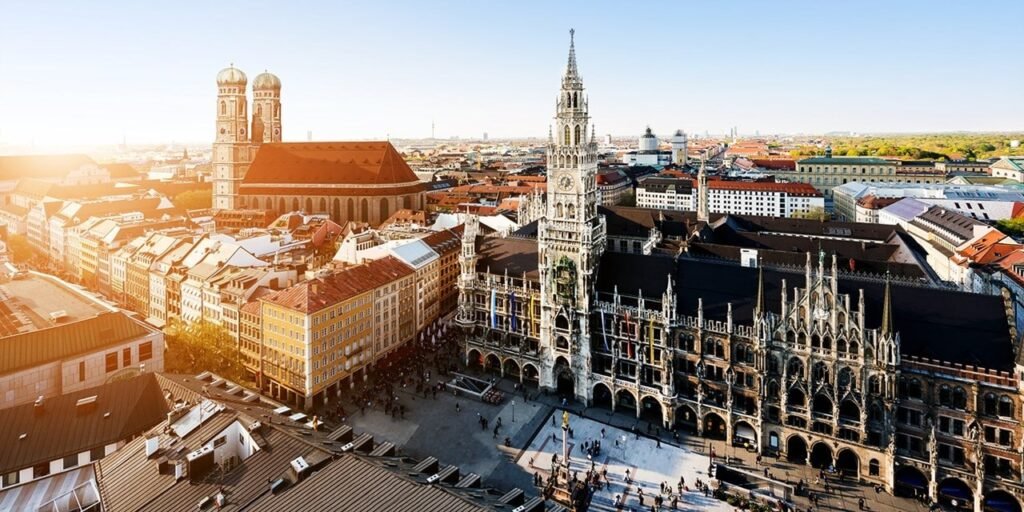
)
(913, 387)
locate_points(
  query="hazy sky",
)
(92, 72)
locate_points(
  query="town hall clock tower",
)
(571, 240)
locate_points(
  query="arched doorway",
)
(531, 377)
(625, 402)
(602, 396)
(956, 494)
(743, 434)
(493, 364)
(848, 463)
(796, 450)
(714, 426)
(474, 359)
(910, 482)
(511, 369)
(1000, 501)
(565, 384)
(821, 456)
(686, 419)
(650, 410)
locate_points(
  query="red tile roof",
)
(316, 294)
(872, 202)
(328, 163)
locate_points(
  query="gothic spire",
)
(887, 308)
(759, 305)
(570, 69)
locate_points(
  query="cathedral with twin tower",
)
(361, 181)
(237, 139)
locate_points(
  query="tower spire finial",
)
(759, 306)
(570, 70)
(887, 322)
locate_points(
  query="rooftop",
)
(845, 160)
(357, 163)
(319, 293)
(62, 426)
(28, 304)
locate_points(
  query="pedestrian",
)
(457, 407)
(860, 503)
(602, 433)
(658, 440)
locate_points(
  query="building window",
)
(40, 470)
(70, 461)
(12, 478)
(81, 371)
(96, 454)
(111, 361)
(126, 357)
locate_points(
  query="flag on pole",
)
(604, 333)
(650, 338)
(629, 342)
(531, 315)
(512, 310)
(494, 308)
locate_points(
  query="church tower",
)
(231, 147)
(703, 208)
(571, 240)
(266, 108)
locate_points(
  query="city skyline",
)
(146, 75)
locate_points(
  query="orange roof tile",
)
(318, 163)
(316, 294)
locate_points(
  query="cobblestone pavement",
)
(433, 427)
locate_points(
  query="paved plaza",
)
(648, 465)
(433, 427)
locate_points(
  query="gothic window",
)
(561, 322)
(309, 206)
(801, 340)
(241, 109)
(350, 211)
(910, 388)
(822, 405)
(259, 110)
(846, 379)
(384, 209)
(790, 337)
(1005, 406)
(773, 390)
(821, 373)
(875, 413)
(795, 369)
(565, 135)
(277, 113)
(295, 204)
(223, 108)
(853, 348)
(945, 396)
(686, 342)
(364, 207)
(959, 398)
(796, 398)
(562, 343)
(841, 346)
(826, 343)
(577, 140)
(560, 212)
(874, 468)
(323, 205)
(773, 365)
(875, 385)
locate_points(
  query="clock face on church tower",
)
(565, 183)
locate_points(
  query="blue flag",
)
(494, 309)
(512, 310)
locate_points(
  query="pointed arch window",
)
(577, 140)
(565, 136)
(223, 108)
(241, 108)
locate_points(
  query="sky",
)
(97, 72)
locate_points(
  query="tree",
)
(19, 248)
(817, 213)
(627, 199)
(1012, 227)
(194, 199)
(202, 346)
